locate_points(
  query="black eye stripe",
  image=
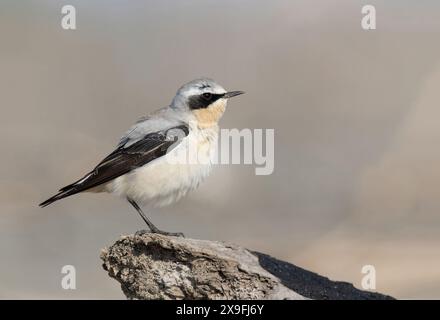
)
(203, 101)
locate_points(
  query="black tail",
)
(71, 189)
(60, 195)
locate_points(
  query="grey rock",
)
(153, 266)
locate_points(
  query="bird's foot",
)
(165, 233)
(141, 232)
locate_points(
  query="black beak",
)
(231, 94)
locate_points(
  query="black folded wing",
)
(127, 157)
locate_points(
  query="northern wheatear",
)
(141, 169)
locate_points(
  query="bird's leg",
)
(152, 227)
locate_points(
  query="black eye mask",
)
(203, 100)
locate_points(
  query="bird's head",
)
(205, 99)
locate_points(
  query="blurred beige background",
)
(356, 117)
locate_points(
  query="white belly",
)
(170, 177)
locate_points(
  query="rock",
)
(153, 266)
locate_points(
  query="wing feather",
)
(126, 157)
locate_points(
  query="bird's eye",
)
(207, 96)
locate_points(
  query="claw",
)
(165, 233)
(173, 234)
(141, 232)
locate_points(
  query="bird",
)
(151, 163)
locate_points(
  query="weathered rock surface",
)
(153, 266)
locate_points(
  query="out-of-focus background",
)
(356, 116)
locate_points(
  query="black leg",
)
(152, 227)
